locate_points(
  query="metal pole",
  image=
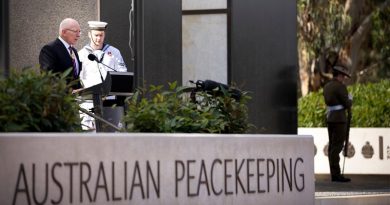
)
(98, 119)
(98, 109)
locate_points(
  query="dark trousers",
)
(337, 135)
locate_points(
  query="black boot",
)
(340, 178)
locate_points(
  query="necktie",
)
(75, 69)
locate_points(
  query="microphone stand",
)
(108, 66)
(97, 98)
(92, 57)
(98, 118)
(101, 76)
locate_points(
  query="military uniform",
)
(338, 102)
(109, 56)
(109, 59)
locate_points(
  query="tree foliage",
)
(322, 26)
(380, 37)
(350, 32)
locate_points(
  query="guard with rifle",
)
(339, 103)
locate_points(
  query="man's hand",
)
(77, 90)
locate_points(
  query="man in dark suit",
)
(60, 54)
(338, 101)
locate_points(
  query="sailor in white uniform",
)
(107, 58)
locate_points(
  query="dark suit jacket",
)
(55, 57)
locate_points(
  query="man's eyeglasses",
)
(74, 31)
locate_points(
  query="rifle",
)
(345, 153)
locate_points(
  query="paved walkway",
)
(360, 185)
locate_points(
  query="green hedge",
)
(169, 111)
(371, 106)
(37, 102)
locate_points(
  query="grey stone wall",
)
(33, 23)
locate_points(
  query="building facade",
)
(251, 44)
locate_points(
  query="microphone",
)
(92, 57)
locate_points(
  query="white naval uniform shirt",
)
(109, 56)
(90, 75)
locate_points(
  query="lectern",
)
(116, 83)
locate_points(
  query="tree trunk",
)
(304, 71)
(350, 53)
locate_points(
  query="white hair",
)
(66, 24)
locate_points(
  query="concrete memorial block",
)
(136, 168)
